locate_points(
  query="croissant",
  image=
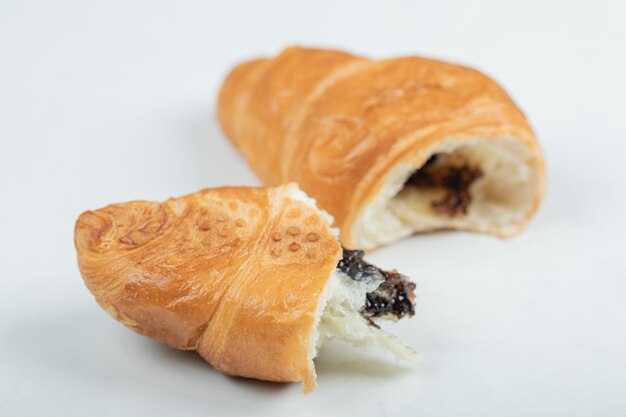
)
(389, 148)
(254, 279)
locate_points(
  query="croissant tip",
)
(90, 227)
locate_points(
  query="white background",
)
(108, 101)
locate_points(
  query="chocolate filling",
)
(393, 296)
(455, 180)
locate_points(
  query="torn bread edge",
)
(339, 313)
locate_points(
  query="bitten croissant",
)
(390, 147)
(254, 279)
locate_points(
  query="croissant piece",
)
(254, 279)
(354, 133)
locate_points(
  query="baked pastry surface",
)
(246, 276)
(352, 131)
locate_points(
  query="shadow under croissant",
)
(192, 358)
(345, 360)
(334, 359)
(81, 347)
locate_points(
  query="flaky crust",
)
(338, 124)
(235, 273)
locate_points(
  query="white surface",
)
(110, 101)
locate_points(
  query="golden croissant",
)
(254, 279)
(388, 147)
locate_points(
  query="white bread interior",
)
(339, 311)
(339, 317)
(502, 198)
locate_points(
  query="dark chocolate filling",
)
(455, 180)
(393, 296)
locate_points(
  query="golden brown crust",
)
(347, 121)
(269, 95)
(231, 272)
